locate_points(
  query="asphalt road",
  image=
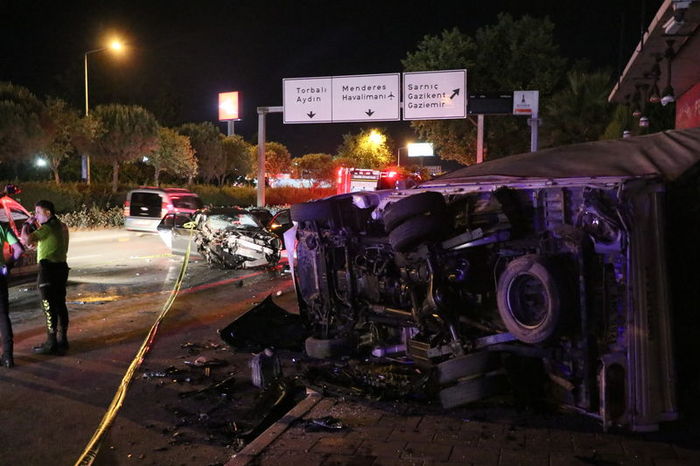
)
(107, 265)
(51, 405)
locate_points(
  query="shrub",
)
(69, 197)
(95, 206)
(94, 217)
(225, 195)
(291, 195)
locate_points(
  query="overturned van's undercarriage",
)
(455, 275)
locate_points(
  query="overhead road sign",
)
(435, 95)
(367, 97)
(340, 99)
(496, 103)
(307, 100)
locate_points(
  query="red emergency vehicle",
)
(365, 179)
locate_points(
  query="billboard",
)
(228, 106)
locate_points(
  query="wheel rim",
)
(528, 301)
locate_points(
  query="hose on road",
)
(93, 447)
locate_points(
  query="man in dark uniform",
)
(6, 236)
(51, 239)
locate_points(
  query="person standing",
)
(6, 236)
(51, 239)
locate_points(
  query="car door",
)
(173, 232)
(181, 236)
(165, 230)
(281, 222)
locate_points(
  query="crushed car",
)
(228, 237)
(557, 256)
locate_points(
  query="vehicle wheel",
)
(428, 202)
(471, 390)
(413, 231)
(314, 210)
(467, 366)
(319, 348)
(529, 299)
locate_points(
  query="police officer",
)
(51, 239)
(6, 236)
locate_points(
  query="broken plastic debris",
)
(326, 423)
(178, 375)
(202, 361)
(223, 388)
(265, 368)
(266, 325)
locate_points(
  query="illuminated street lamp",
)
(376, 138)
(115, 46)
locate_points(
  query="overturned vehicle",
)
(558, 256)
(226, 237)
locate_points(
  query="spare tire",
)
(530, 299)
(422, 203)
(416, 230)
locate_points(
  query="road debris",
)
(263, 326)
(324, 424)
(265, 368)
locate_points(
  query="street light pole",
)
(86, 158)
(116, 46)
(398, 156)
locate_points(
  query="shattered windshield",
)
(237, 221)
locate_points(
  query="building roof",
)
(651, 50)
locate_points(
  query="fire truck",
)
(364, 179)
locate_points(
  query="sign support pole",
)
(262, 111)
(480, 139)
(230, 130)
(534, 133)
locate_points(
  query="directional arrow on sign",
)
(391, 95)
(455, 92)
(369, 112)
(311, 114)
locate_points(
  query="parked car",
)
(557, 257)
(13, 215)
(227, 237)
(146, 206)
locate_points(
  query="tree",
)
(318, 167)
(24, 124)
(580, 112)
(206, 142)
(237, 156)
(173, 154)
(66, 123)
(277, 159)
(126, 133)
(510, 55)
(367, 149)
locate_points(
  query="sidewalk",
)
(406, 433)
(396, 434)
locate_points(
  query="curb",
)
(254, 448)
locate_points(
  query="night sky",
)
(182, 53)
